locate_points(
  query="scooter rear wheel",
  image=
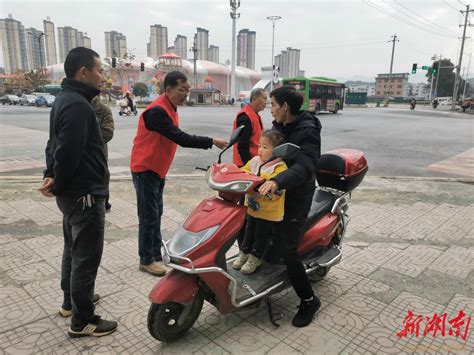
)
(163, 319)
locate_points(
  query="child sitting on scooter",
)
(262, 212)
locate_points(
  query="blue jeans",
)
(149, 188)
(83, 229)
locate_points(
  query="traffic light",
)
(142, 66)
(114, 62)
(413, 68)
(434, 70)
(425, 67)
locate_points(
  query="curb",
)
(36, 178)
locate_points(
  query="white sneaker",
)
(251, 265)
(241, 259)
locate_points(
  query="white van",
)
(445, 101)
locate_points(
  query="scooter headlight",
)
(184, 241)
(231, 186)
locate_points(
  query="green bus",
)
(320, 93)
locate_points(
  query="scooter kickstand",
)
(274, 317)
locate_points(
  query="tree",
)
(140, 89)
(36, 79)
(446, 78)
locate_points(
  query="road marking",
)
(461, 164)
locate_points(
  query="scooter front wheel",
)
(168, 322)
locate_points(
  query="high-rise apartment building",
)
(181, 46)
(86, 40)
(115, 44)
(201, 43)
(289, 62)
(246, 48)
(213, 54)
(158, 41)
(12, 36)
(35, 49)
(50, 40)
(69, 38)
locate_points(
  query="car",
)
(245, 101)
(28, 100)
(9, 99)
(45, 100)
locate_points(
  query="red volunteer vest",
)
(256, 122)
(151, 150)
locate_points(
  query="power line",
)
(401, 19)
(451, 6)
(434, 24)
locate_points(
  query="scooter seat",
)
(322, 204)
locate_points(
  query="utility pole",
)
(438, 73)
(273, 19)
(467, 75)
(195, 55)
(457, 80)
(433, 58)
(234, 5)
(394, 39)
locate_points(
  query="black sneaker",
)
(95, 328)
(306, 312)
(108, 206)
(66, 309)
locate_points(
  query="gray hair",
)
(256, 93)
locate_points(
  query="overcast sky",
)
(343, 39)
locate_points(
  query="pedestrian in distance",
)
(247, 145)
(262, 212)
(104, 116)
(77, 175)
(304, 130)
(248, 142)
(154, 147)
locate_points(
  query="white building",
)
(213, 54)
(419, 91)
(158, 44)
(246, 48)
(181, 46)
(369, 88)
(50, 39)
(12, 36)
(289, 62)
(115, 44)
(69, 38)
(201, 43)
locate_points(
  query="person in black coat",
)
(77, 175)
(303, 129)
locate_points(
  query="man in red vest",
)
(154, 147)
(247, 145)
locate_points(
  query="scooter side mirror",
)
(233, 139)
(285, 151)
(235, 135)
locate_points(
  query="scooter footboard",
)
(176, 286)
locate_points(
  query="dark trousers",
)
(149, 189)
(83, 229)
(257, 234)
(289, 231)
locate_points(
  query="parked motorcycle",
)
(196, 253)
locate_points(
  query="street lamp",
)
(234, 5)
(41, 58)
(273, 19)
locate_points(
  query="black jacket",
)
(74, 154)
(299, 179)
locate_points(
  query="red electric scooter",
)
(197, 251)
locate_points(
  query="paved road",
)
(397, 142)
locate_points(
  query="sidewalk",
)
(409, 247)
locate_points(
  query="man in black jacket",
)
(77, 174)
(303, 129)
